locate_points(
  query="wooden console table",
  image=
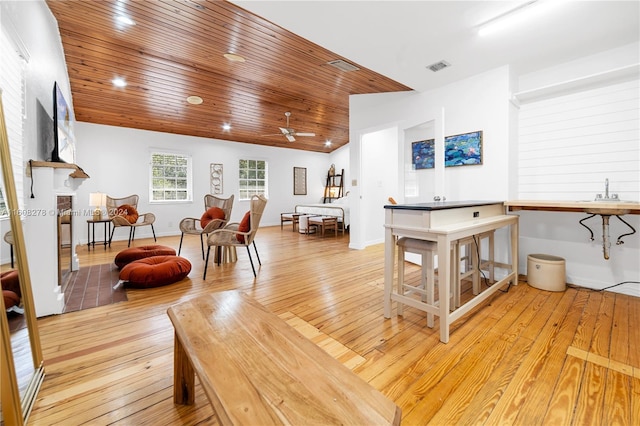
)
(444, 223)
(258, 370)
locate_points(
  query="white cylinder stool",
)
(546, 272)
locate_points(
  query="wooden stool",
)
(473, 263)
(294, 218)
(427, 250)
(324, 223)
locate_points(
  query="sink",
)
(594, 208)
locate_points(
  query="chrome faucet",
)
(606, 193)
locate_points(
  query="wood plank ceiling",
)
(175, 49)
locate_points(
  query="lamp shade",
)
(97, 199)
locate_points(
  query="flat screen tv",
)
(64, 149)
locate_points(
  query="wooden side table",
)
(91, 232)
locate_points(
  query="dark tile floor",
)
(92, 286)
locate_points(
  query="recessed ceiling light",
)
(119, 82)
(233, 57)
(327, 143)
(125, 20)
(194, 100)
(226, 127)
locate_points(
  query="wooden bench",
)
(289, 217)
(256, 369)
(324, 223)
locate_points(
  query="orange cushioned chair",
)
(155, 271)
(123, 212)
(239, 234)
(216, 215)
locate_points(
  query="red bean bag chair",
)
(10, 282)
(155, 271)
(129, 255)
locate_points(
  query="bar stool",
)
(473, 262)
(427, 250)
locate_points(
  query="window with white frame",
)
(252, 178)
(170, 177)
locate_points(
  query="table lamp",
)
(97, 200)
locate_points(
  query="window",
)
(170, 177)
(3, 205)
(253, 178)
(13, 88)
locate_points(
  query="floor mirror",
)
(21, 362)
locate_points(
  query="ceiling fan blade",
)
(290, 138)
(284, 130)
(305, 134)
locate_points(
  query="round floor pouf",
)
(155, 271)
(10, 288)
(129, 255)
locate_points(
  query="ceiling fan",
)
(289, 133)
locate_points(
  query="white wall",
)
(485, 102)
(477, 103)
(573, 86)
(379, 180)
(34, 27)
(117, 159)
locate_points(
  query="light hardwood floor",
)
(525, 357)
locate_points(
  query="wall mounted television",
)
(64, 149)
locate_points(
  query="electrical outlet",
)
(476, 214)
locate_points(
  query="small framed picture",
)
(423, 154)
(299, 181)
(463, 150)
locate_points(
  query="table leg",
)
(183, 375)
(88, 236)
(444, 285)
(389, 258)
(514, 252)
(105, 235)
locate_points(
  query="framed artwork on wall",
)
(216, 178)
(299, 181)
(423, 154)
(463, 150)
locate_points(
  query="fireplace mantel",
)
(78, 173)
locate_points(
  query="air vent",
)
(342, 65)
(438, 66)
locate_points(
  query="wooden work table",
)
(445, 223)
(590, 207)
(257, 370)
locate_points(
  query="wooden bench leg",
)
(183, 375)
